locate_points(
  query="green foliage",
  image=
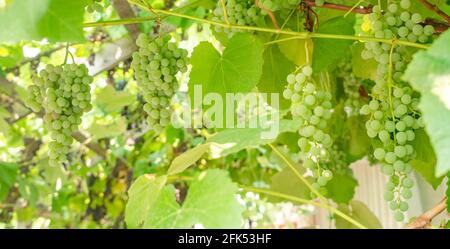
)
(238, 69)
(56, 20)
(234, 140)
(361, 213)
(110, 100)
(425, 161)
(8, 173)
(428, 74)
(341, 188)
(210, 201)
(286, 182)
(328, 51)
(275, 70)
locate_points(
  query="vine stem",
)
(299, 176)
(305, 201)
(424, 220)
(225, 14)
(303, 35)
(436, 10)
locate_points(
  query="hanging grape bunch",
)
(393, 112)
(63, 93)
(239, 12)
(312, 107)
(156, 64)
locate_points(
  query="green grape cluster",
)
(63, 92)
(239, 12)
(94, 6)
(351, 85)
(313, 108)
(393, 111)
(156, 64)
(396, 22)
(276, 5)
(392, 123)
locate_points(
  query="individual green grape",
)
(156, 64)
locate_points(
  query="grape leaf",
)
(429, 74)
(275, 71)
(286, 182)
(110, 100)
(295, 50)
(56, 20)
(425, 160)
(341, 188)
(328, 51)
(8, 173)
(210, 201)
(238, 69)
(359, 212)
(99, 131)
(234, 140)
(185, 160)
(143, 195)
(365, 69)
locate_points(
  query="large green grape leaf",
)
(210, 201)
(286, 182)
(328, 51)
(429, 74)
(359, 212)
(234, 140)
(341, 188)
(114, 129)
(143, 195)
(8, 173)
(238, 69)
(275, 71)
(425, 160)
(56, 20)
(110, 100)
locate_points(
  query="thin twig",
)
(425, 219)
(435, 9)
(269, 12)
(360, 10)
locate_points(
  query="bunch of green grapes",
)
(393, 111)
(156, 64)
(63, 92)
(392, 123)
(351, 86)
(312, 107)
(239, 12)
(396, 22)
(94, 6)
